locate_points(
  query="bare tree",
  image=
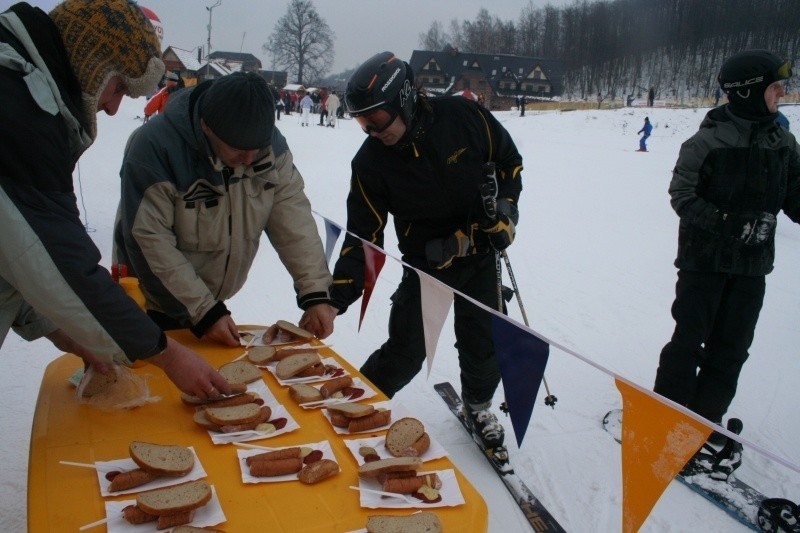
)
(302, 42)
(435, 38)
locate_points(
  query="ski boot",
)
(484, 425)
(779, 516)
(717, 462)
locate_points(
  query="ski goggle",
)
(376, 121)
(784, 72)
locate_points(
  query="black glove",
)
(750, 228)
(441, 252)
(501, 233)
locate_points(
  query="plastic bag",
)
(120, 389)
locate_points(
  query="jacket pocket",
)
(203, 227)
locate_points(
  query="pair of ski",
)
(538, 516)
(735, 497)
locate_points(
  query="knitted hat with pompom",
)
(107, 38)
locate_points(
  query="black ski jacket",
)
(429, 182)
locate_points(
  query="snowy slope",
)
(593, 260)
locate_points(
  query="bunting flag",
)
(332, 233)
(436, 300)
(657, 441)
(374, 258)
(523, 358)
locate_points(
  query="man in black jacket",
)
(58, 71)
(731, 180)
(423, 163)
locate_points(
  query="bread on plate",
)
(162, 459)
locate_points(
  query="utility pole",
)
(210, 11)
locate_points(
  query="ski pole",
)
(550, 399)
(488, 190)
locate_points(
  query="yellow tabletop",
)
(64, 498)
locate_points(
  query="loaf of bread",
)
(394, 464)
(302, 393)
(407, 437)
(175, 499)
(240, 372)
(162, 460)
(423, 522)
(294, 364)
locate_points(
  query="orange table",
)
(63, 498)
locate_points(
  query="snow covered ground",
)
(593, 260)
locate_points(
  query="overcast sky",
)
(362, 27)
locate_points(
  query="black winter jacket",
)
(732, 166)
(429, 183)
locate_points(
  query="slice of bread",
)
(240, 372)
(294, 364)
(233, 415)
(302, 393)
(293, 330)
(394, 464)
(423, 522)
(233, 399)
(352, 409)
(200, 418)
(261, 355)
(175, 499)
(403, 434)
(162, 459)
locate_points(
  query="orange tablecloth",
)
(63, 498)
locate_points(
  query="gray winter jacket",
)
(732, 167)
(49, 267)
(189, 227)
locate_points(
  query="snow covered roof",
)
(188, 59)
(293, 87)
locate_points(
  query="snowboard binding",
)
(718, 464)
(778, 515)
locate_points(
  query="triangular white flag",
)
(332, 232)
(436, 299)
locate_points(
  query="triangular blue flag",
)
(331, 236)
(522, 358)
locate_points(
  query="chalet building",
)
(276, 78)
(501, 78)
(236, 61)
(183, 62)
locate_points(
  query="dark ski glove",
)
(750, 228)
(501, 233)
(441, 252)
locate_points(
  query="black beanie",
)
(239, 109)
(745, 76)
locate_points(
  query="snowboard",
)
(735, 497)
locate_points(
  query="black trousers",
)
(400, 358)
(715, 320)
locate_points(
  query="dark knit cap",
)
(239, 109)
(745, 76)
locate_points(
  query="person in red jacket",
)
(159, 100)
